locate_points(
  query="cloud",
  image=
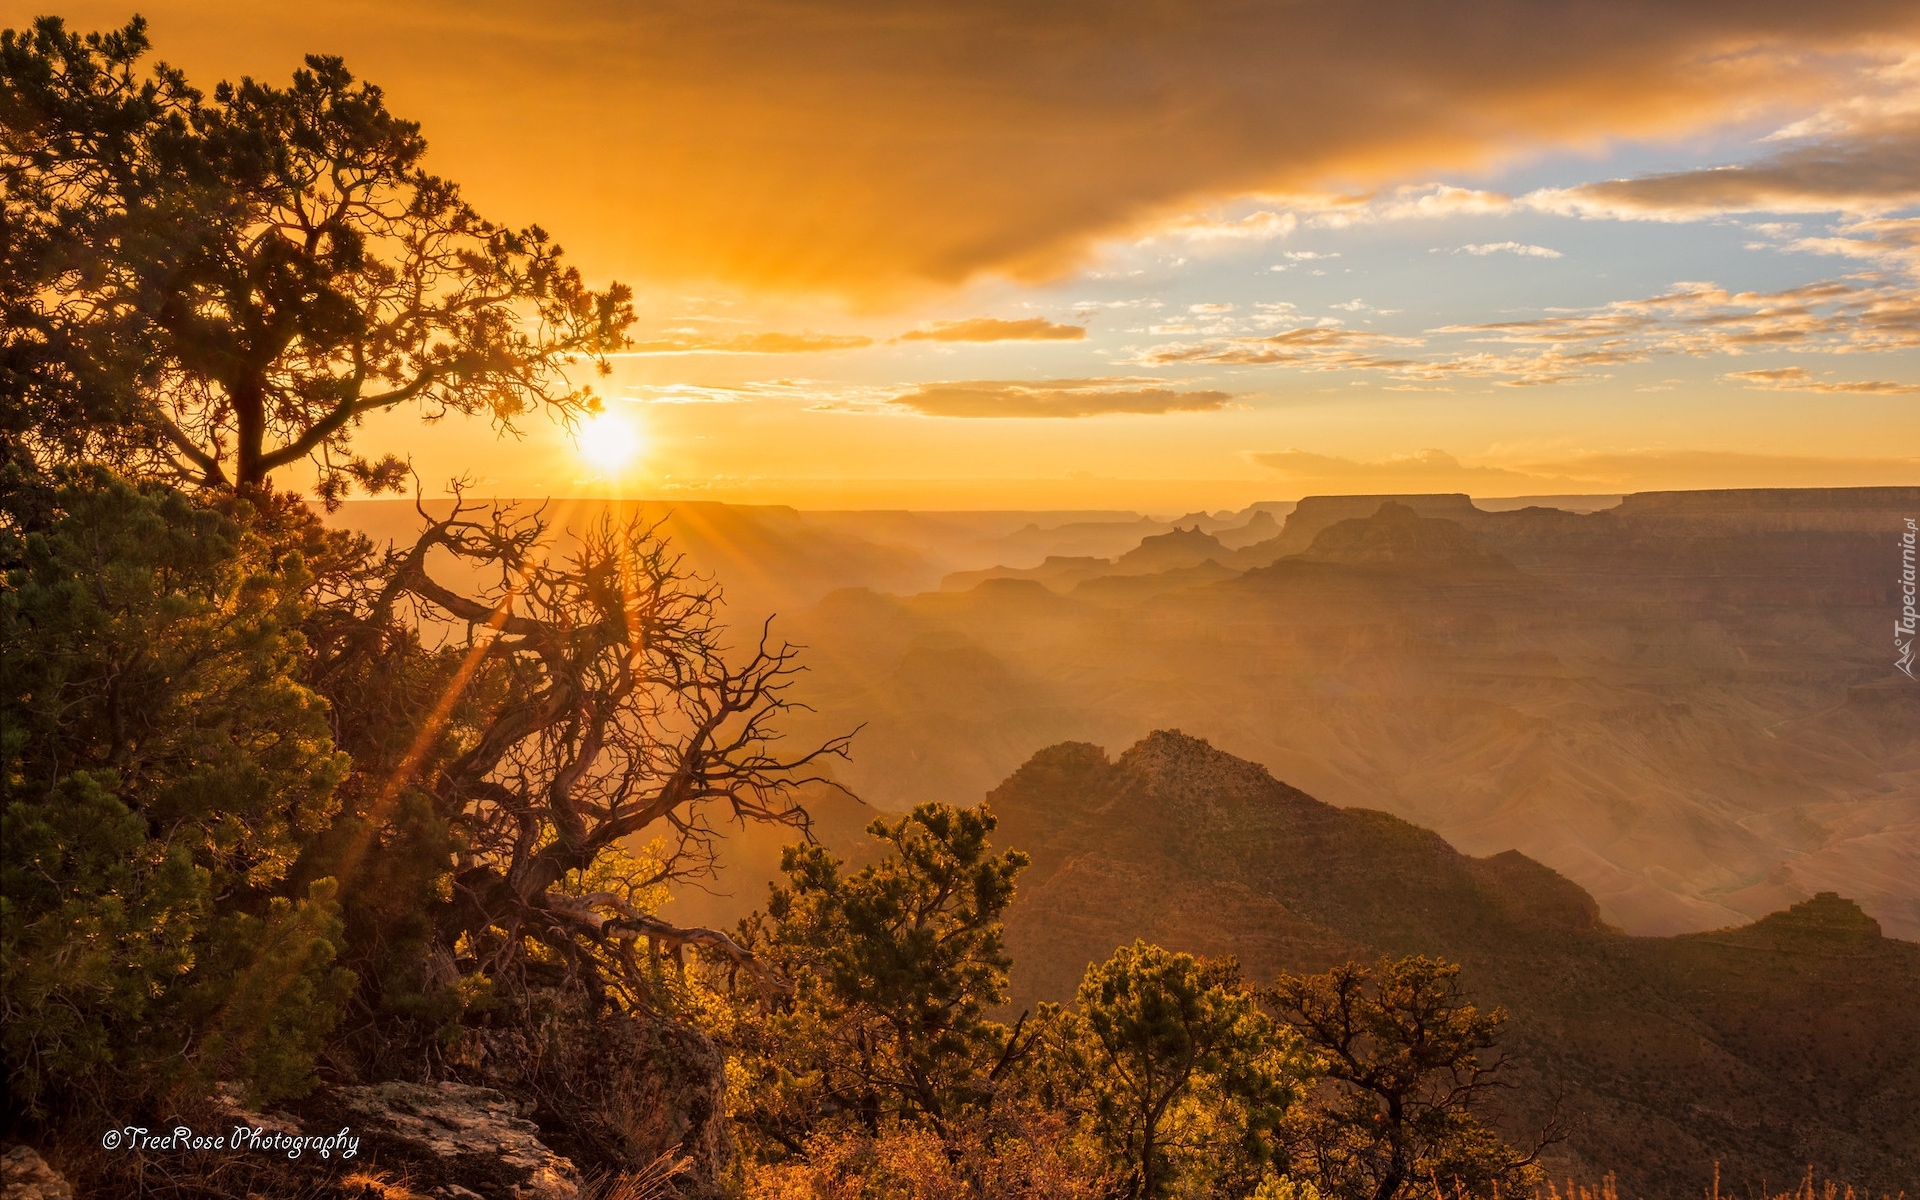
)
(1868, 312)
(1832, 316)
(1590, 472)
(694, 342)
(1255, 227)
(1427, 470)
(1485, 248)
(1867, 170)
(815, 394)
(874, 150)
(1799, 379)
(1329, 348)
(1406, 202)
(1315, 348)
(1054, 398)
(1646, 470)
(1889, 241)
(993, 329)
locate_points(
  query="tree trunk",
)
(250, 419)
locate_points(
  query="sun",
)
(609, 440)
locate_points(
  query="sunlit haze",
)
(609, 441)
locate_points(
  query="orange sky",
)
(1162, 256)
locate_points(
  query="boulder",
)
(24, 1175)
(459, 1139)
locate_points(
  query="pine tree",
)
(163, 766)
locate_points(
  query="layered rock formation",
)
(1764, 1048)
(1687, 703)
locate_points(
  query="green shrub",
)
(163, 766)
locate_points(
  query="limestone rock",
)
(471, 1138)
(24, 1175)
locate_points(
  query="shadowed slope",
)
(1766, 1047)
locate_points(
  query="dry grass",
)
(904, 1163)
(1808, 1188)
(651, 1182)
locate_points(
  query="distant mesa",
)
(1171, 552)
(1124, 589)
(1315, 513)
(1396, 535)
(1261, 527)
(1059, 572)
(999, 593)
(1771, 510)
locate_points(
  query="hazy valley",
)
(1686, 703)
(1514, 737)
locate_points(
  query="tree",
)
(162, 767)
(217, 289)
(893, 969)
(590, 705)
(1407, 1075)
(1182, 1078)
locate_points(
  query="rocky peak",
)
(1180, 772)
(1828, 918)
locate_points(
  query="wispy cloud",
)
(1833, 316)
(994, 329)
(814, 393)
(1887, 241)
(1055, 398)
(699, 342)
(1873, 311)
(1406, 202)
(1434, 470)
(1426, 470)
(1866, 169)
(1260, 226)
(1322, 348)
(1482, 249)
(1799, 379)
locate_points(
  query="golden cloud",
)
(1874, 311)
(1324, 348)
(749, 343)
(1834, 316)
(1658, 469)
(1799, 379)
(1054, 398)
(869, 150)
(1869, 169)
(993, 329)
(1426, 471)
